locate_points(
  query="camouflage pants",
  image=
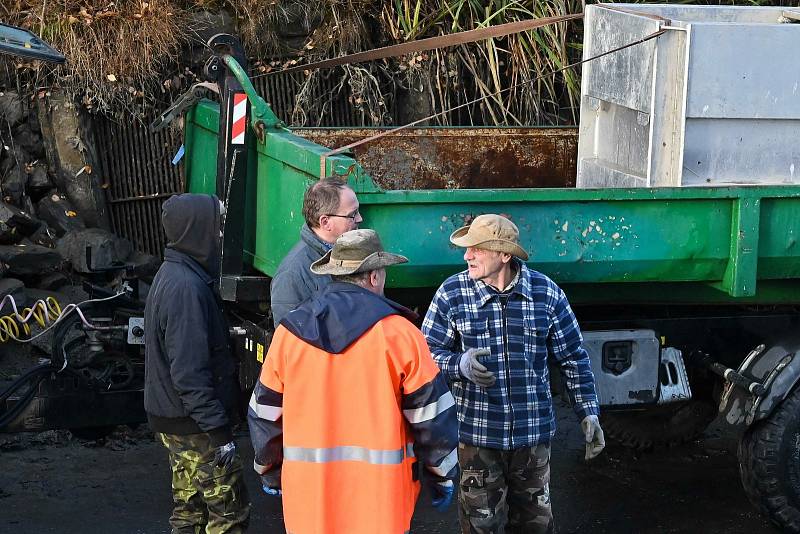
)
(207, 499)
(505, 492)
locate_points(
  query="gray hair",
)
(358, 279)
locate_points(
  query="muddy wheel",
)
(662, 426)
(769, 464)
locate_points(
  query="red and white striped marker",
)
(239, 118)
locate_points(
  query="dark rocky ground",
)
(53, 483)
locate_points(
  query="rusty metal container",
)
(461, 158)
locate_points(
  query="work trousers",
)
(505, 492)
(207, 499)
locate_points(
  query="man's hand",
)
(271, 484)
(442, 493)
(269, 489)
(595, 440)
(473, 370)
(224, 455)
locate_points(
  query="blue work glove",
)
(266, 485)
(442, 492)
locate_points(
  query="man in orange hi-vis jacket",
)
(350, 403)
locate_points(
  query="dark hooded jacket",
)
(190, 375)
(294, 283)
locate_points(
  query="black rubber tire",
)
(661, 426)
(769, 464)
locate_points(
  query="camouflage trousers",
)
(207, 499)
(505, 492)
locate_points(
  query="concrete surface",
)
(52, 483)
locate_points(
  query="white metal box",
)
(713, 100)
(625, 364)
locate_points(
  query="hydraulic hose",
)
(13, 326)
(32, 377)
(48, 314)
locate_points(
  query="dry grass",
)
(118, 52)
(124, 55)
(344, 27)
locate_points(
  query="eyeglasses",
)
(351, 216)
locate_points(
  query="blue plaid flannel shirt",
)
(517, 411)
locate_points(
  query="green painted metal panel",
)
(200, 144)
(777, 243)
(668, 244)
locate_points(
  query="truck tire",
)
(661, 426)
(769, 464)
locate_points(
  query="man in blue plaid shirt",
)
(491, 329)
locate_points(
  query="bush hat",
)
(356, 251)
(490, 232)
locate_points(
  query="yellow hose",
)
(43, 312)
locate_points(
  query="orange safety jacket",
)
(347, 424)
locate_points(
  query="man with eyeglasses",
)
(330, 209)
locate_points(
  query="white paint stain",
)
(592, 223)
(566, 226)
(599, 230)
(615, 235)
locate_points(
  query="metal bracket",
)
(736, 377)
(759, 385)
(674, 379)
(244, 288)
(262, 115)
(187, 100)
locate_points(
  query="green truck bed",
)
(692, 245)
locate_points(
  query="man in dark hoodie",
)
(330, 208)
(350, 402)
(191, 391)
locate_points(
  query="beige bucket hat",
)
(356, 251)
(490, 232)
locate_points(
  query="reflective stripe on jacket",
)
(354, 424)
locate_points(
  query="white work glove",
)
(595, 440)
(475, 371)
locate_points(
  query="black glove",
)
(224, 455)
